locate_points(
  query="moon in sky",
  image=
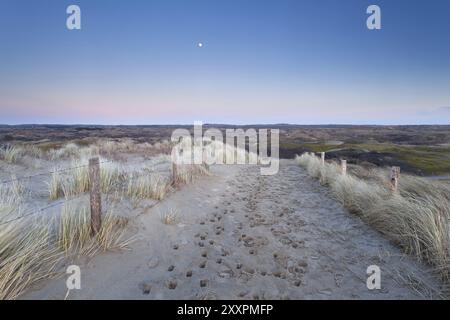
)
(200, 44)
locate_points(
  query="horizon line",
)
(209, 124)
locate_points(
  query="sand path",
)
(245, 236)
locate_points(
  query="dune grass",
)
(35, 248)
(169, 216)
(26, 257)
(416, 217)
(11, 154)
(25, 254)
(146, 185)
(55, 186)
(76, 181)
(75, 238)
(187, 173)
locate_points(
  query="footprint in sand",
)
(225, 273)
(249, 270)
(152, 262)
(171, 284)
(243, 293)
(145, 287)
(297, 283)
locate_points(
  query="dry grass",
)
(11, 154)
(116, 148)
(26, 257)
(74, 235)
(31, 251)
(76, 181)
(187, 173)
(32, 151)
(25, 252)
(169, 217)
(145, 185)
(417, 217)
(111, 176)
(10, 200)
(35, 248)
(55, 186)
(70, 150)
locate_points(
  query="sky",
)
(261, 61)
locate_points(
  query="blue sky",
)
(270, 61)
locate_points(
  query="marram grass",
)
(416, 217)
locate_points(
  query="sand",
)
(241, 235)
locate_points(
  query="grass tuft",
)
(169, 217)
(147, 186)
(10, 154)
(417, 217)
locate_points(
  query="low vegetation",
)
(416, 217)
(75, 238)
(35, 247)
(147, 186)
(10, 154)
(169, 216)
(424, 160)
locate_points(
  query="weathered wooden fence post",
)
(344, 167)
(395, 175)
(95, 195)
(322, 157)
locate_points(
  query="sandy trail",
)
(245, 236)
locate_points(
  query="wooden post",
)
(95, 195)
(322, 157)
(395, 175)
(344, 167)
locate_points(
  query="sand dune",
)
(240, 235)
